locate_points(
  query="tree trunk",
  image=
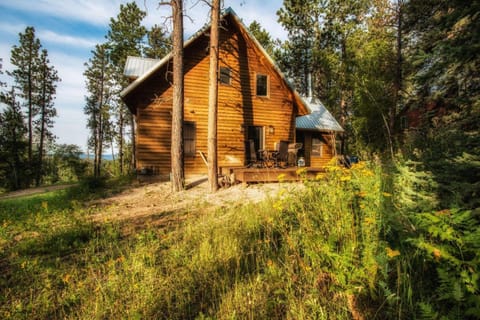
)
(100, 143)
(213, 98)
(30, 116)
(177, 109)
(134, 143)
(42, 127)
(16, 157)
(343, 121)
(120, 140)
(398, 69)
(40, 148)
(343, 94)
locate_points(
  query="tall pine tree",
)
(125, 38)
(47, 79)
(26, 60)
(100, 86)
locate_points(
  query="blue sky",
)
(69, 30)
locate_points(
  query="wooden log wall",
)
(239, 106)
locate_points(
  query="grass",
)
(312, 255)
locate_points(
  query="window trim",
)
(193, 126)
(315, 152)
(267, 85)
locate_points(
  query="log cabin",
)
(256, 105)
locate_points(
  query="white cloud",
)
(53, 37)
(93, 12)
(70, 127)
(12, 29)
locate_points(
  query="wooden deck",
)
(250, 175)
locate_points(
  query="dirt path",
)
(32, 191)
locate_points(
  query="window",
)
(262, 85)
(189, 139)
(317, 147)
(225, 75)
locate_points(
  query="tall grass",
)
(314, 254)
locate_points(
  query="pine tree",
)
(302, 20)
(263, 37)
(159, 44)
(443, 41)
(101, 89)
(25, 57)
(125, 38)
(13, 143)
(47, 78)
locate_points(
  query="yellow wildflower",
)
(320, 176)
(369, 220)
(362, 194)
(386, 194)
(66, 278)
(45, 205)
(346, 178)
(436, 254)
(392, 253)
(367, 173)
(278, 205)
(301, 171)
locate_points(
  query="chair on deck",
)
(281, 156)
(293, 153)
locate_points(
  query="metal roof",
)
(137, 66)
(319, 119)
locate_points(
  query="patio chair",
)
(281, 156)
(293, 153)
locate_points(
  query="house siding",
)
(238, 106)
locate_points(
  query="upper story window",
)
(262, 85)
(225, 76)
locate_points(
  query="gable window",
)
(317, 147)
(189, 139)
(262, 85)
(225, 75)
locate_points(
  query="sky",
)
(70, 29)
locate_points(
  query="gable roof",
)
(302, 106)
(320, 119)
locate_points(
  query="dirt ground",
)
(156, 204)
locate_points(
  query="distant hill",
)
(104, 156)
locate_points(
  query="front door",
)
(256, 134)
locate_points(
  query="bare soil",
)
(156, 204)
